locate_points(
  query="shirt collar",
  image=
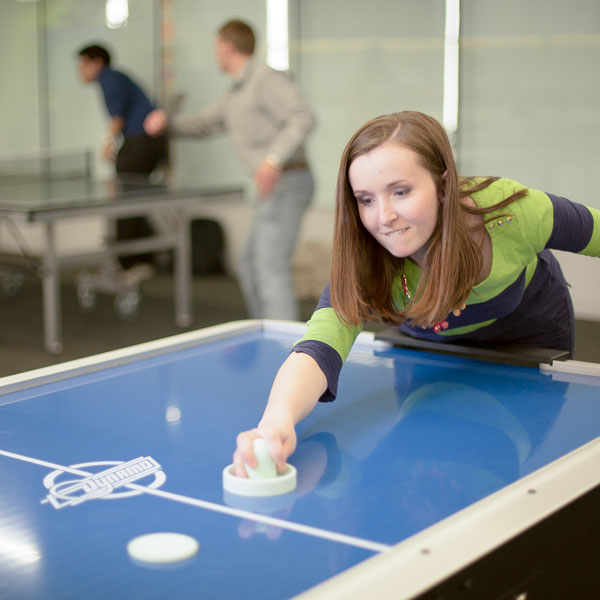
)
(244, 74)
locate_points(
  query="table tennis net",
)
(46, 166)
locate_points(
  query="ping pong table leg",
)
(183, 270)
(51, 292)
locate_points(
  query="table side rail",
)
(114, 358)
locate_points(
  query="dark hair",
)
(363, 272)
(240, 34)
(95, 51)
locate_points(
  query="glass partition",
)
(20, 127)
(45, 105)
(528, 90)
(197, 76)
(530, 94)
(358, 60)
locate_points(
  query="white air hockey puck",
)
(163, 547)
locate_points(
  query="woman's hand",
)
(298, 385)
(280, 440)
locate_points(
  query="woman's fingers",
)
(244, 454)
(280, 443)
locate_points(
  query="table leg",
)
(51, 293)
(183, 271)
(111, 237)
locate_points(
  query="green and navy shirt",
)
(524, 299)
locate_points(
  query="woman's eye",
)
(400, 192)
(364, 200)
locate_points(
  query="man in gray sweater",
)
(268, 122)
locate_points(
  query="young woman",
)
(444, 258)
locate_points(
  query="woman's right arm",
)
(297, 387)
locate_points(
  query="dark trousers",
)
(139, 155)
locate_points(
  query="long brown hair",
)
(363, 272)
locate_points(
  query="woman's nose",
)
(387, 212)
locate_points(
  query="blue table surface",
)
(411, 439)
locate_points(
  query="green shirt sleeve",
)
(325, 326)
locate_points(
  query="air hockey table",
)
(430, 476)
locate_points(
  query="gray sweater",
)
(263, 112)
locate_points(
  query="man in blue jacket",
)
(127, 106)
(135, 153)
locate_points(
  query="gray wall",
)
(380, 57)
(43, 103)
(530, 89)
(529, 96)
(196, 74)
(530, 93)
(19, 100)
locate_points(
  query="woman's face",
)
(397, 199)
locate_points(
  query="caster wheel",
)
(127, 303)
(12, 283)
(86, 297)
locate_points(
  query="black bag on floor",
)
(208, 247)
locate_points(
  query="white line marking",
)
(243, 514)
(44, 463)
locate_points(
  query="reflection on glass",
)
(173, 414)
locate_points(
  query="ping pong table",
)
(429, 477)
(61, 186)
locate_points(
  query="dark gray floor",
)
(217, 299)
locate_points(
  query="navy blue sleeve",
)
(329, 362)
(573, 225)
